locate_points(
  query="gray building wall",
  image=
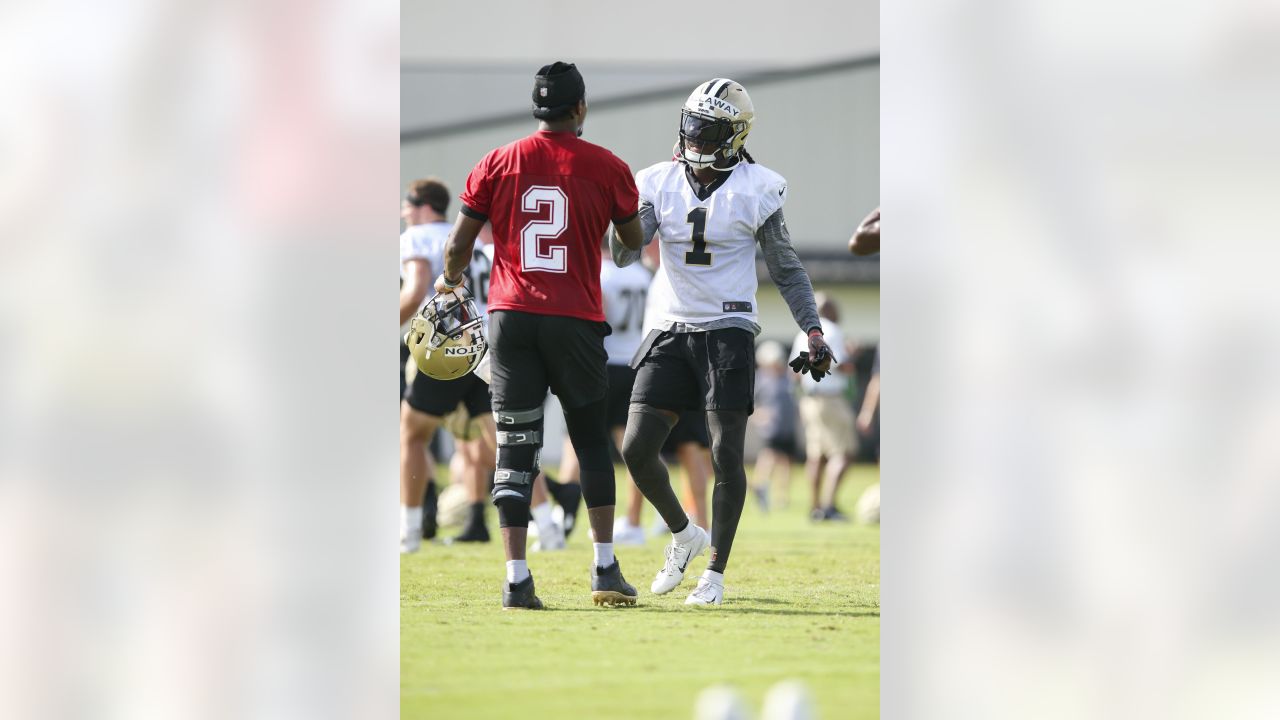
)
(815, 85)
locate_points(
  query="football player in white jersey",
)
(475, 433)
(421, 257)
(709, 207)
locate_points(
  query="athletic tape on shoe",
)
(511, 417)
(519, 437)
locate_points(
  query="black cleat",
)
(473, 533)
(429, 506)
(762, 498)
(833, 514)
(569, 497)
(608, 587)
(519, 596)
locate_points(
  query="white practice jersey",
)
(624, 291)
(425, 242)
(478, 278)
(708, 269)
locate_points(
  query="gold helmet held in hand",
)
(446, 337)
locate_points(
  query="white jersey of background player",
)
(424, 242)
(625, 293)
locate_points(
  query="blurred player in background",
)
(825, 410)
(709, 206)
(777, 415)
(868, 507)
(866, 239)
(474, 432)
(624, 293)
(550, 197)
(871, 402)
(421, 256)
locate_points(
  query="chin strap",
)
(679, 156)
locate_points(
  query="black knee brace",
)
(588, 428)
(519, 440)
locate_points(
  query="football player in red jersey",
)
(551, 197)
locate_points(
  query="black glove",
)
(807, 361)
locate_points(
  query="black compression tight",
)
(588, 428)
(728, 430)
(647, 429)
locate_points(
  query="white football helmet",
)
(718, 112)
(446, 337)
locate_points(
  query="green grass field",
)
(802, 600)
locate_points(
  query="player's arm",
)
(789, 275)
(458, 248)
(417, 280)
(628, 239)
(869, 404)
(787, 272)
(866, 239)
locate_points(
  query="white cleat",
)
(678, 557)
(710, 590)
(550, 538)
(624, 533)
(410, 543)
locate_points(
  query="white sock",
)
(542, 517)
(686, 536)
(604, 554)
(410, 521)
(517, 571)
(713, 576)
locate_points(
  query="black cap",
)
(557, 87)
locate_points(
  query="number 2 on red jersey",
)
(535, 254)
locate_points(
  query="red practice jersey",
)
(550, 197)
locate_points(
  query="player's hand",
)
(820, 357)
(816, 360)
(864, 423)
(443, 286)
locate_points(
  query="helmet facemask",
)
(446, 338)
(707, 130)
(718, 114)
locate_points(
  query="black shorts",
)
(712, 370)
(441, 397)
(404, 363)
(785, 444)
(534, 353)
(621, 379)
(692, 428)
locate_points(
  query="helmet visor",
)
(704, 129)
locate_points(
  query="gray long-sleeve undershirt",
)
(780, 258)
(624, 256)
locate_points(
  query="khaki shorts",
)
(462, 425)
(828, 426)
